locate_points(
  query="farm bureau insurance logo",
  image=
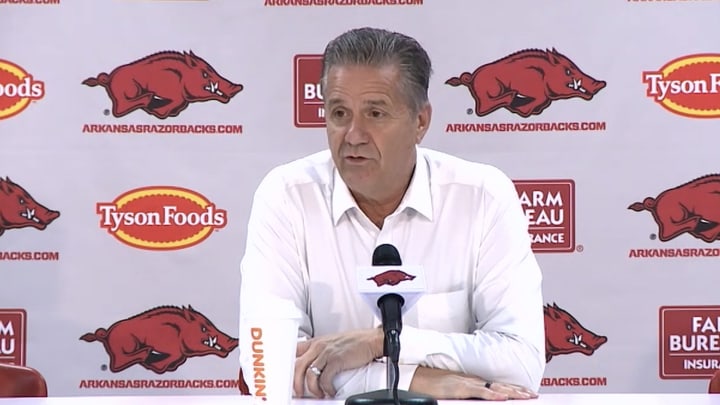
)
(687, 86)
(692, 208)
(309, 105)
(13, 336)
(549, 206)
(161, 218)
(689, 342)
(525, 83)
(17, 89)
(18, 209)
(163, 85)
(160, 340)
(565, 335)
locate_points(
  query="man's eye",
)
(376, 114)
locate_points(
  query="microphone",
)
(392, 303)
(390, 289)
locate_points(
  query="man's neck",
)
(380, 208)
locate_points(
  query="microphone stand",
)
(391, 395)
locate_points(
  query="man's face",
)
(372, 132)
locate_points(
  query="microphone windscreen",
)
(386, 255)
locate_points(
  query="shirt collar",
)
(417, 196)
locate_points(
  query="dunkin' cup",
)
(268, 343)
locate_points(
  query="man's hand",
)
(332, 354)
(443, 384)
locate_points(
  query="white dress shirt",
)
(462, 221)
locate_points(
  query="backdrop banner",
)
(134, 133)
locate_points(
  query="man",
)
(478, 332)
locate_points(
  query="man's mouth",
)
(355, 159)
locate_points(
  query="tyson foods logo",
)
(161, 218)
(687, 86)
(17, 89)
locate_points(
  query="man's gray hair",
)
(378, 47)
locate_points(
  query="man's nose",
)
(357, 132)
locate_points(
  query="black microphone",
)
(390, 304)
(391, 285)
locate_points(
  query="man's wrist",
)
(378, 343)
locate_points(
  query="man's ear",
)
(423, 121)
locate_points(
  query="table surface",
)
(544, 399)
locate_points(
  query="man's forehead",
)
(371, 101)
(343, 80)
(348, 68)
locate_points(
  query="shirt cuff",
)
(373, 377)
(377, 376)
(427, 348)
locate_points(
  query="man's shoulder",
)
(316, 168)
(447, 169)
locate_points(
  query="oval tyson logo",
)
(17, 89)
(161, 218)
(687, 86)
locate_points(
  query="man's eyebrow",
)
(374, 103)
(334, 101)
(378, 102)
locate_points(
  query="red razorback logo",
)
(242, 386)
(526, 82)
(163, 84)
(391, 277)
(18, 209)
(565, 335)
(161, 339)
(692, 207)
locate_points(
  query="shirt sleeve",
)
(370, 378)
(274, 266)
(508, 343)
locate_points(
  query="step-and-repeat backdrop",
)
(133, 134)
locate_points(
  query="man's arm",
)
(274, 265)
(508, 343)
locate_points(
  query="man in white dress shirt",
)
(478, 331)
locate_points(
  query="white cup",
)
(268, 343)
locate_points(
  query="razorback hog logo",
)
(18, 209)
(526, 82)
(693, 207)
(163, 84)
(242, 385)
(687, 86)
(161, 218)
(17, 89)
(391, 277)
(565, 335)
(161, 339)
